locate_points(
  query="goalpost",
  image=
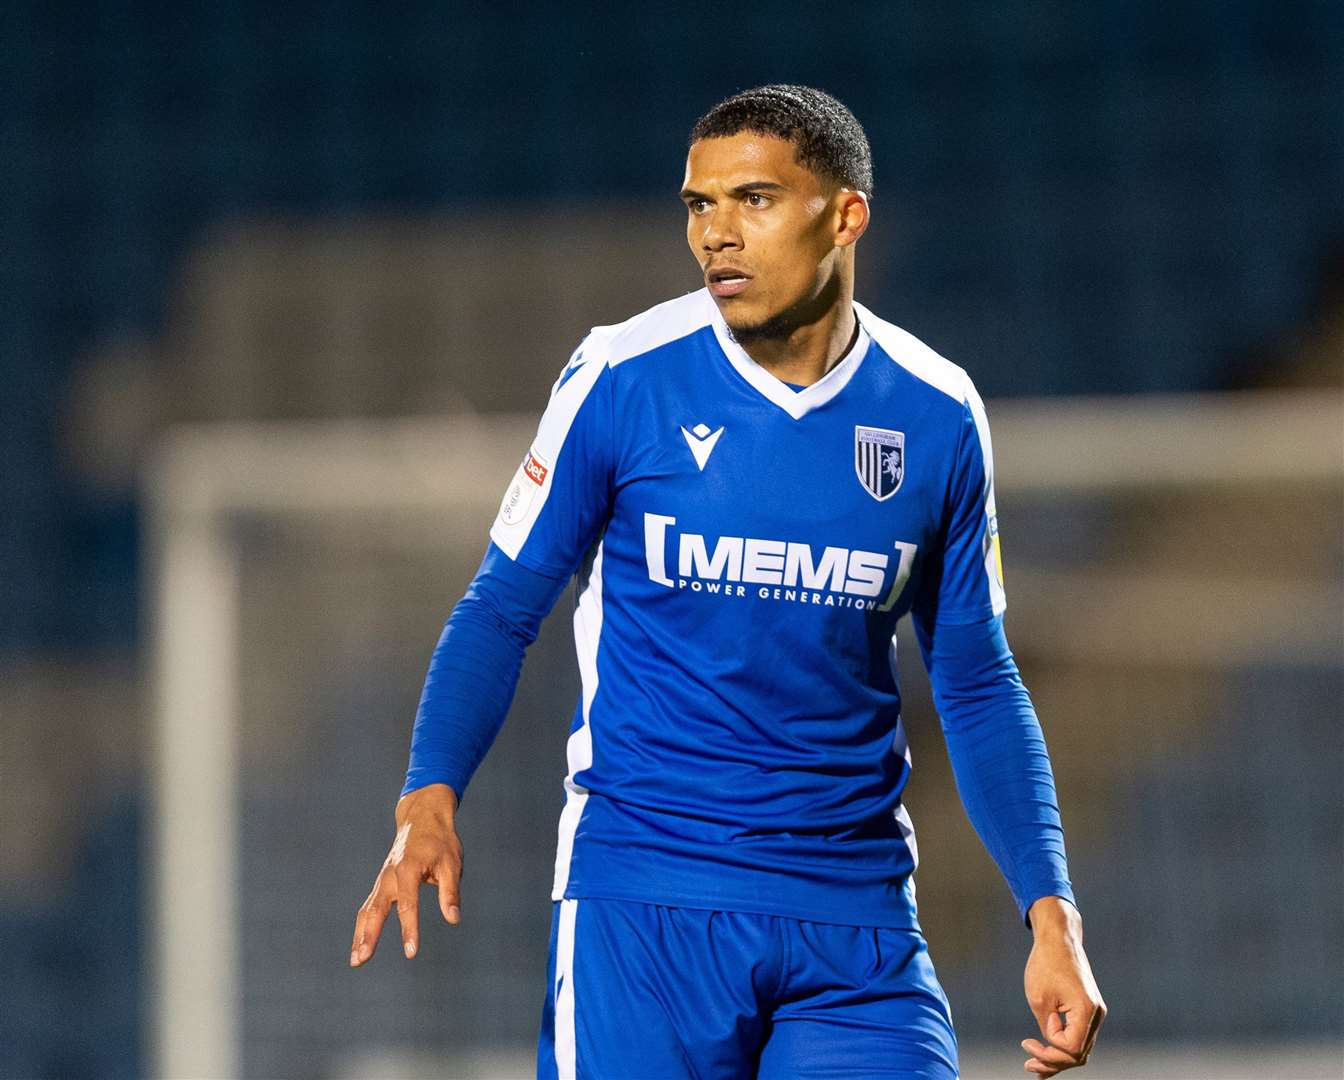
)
(203, 479)
(228, 502)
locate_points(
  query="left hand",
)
(1059, 980)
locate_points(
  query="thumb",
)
(449, 900)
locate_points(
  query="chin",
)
(741, 314)
(756, 325)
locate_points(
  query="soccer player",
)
(751, 484)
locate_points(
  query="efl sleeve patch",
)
(522, 490)
(557, 499)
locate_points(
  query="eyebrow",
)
(689, 194)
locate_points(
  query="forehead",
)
(731, 160)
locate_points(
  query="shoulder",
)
(945, 380)
(606, 347)
(915, 358)
(648, 331)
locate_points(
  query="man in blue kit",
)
(751, 484)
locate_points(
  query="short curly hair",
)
(827, 137)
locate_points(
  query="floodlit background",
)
(282, 288)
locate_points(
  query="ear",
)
(851, 216)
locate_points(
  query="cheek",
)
(791, 264)
(788, 245)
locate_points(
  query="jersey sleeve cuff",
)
(419, 778)
(1061, 889)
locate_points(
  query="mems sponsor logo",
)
(791, 570)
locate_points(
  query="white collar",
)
(797, 403)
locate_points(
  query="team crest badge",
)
(879, 460)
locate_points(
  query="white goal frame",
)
(204, 475)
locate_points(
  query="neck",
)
(802, 346)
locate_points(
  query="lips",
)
(726, 281)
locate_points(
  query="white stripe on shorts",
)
(565, 1048)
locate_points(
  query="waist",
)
(859, 875)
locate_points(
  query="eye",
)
(757, 199)
(698, 206)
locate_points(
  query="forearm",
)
(474, 671)
(999, 758)
(470, 684)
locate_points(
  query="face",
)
(769, 234)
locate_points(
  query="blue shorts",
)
(647, 992)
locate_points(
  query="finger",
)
(408, 912)
(369, 923)
(1094, 1025)
(1065, 1030)
(1081, 1029)
(1050, 1055)
(449, 898)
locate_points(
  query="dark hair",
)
(827, 138)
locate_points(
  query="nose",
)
(720, 230)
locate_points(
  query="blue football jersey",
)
(743, 552)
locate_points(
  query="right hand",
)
(426, 849)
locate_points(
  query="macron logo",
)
(701, 441)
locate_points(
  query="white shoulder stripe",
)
(977, 408)
(993, 560)
(925, 364)
(659, 325)
(526, 495)
(604, 347)
(564, 406)
(916, 357)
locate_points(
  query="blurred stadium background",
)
(284, 287)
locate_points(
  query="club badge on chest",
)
(879, 460)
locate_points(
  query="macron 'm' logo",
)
(701, 441)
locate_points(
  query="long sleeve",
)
(993, 737)
(552, 510)
(474, 670)
(998, 755)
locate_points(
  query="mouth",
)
(726, 281)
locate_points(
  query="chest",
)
(858, 473)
